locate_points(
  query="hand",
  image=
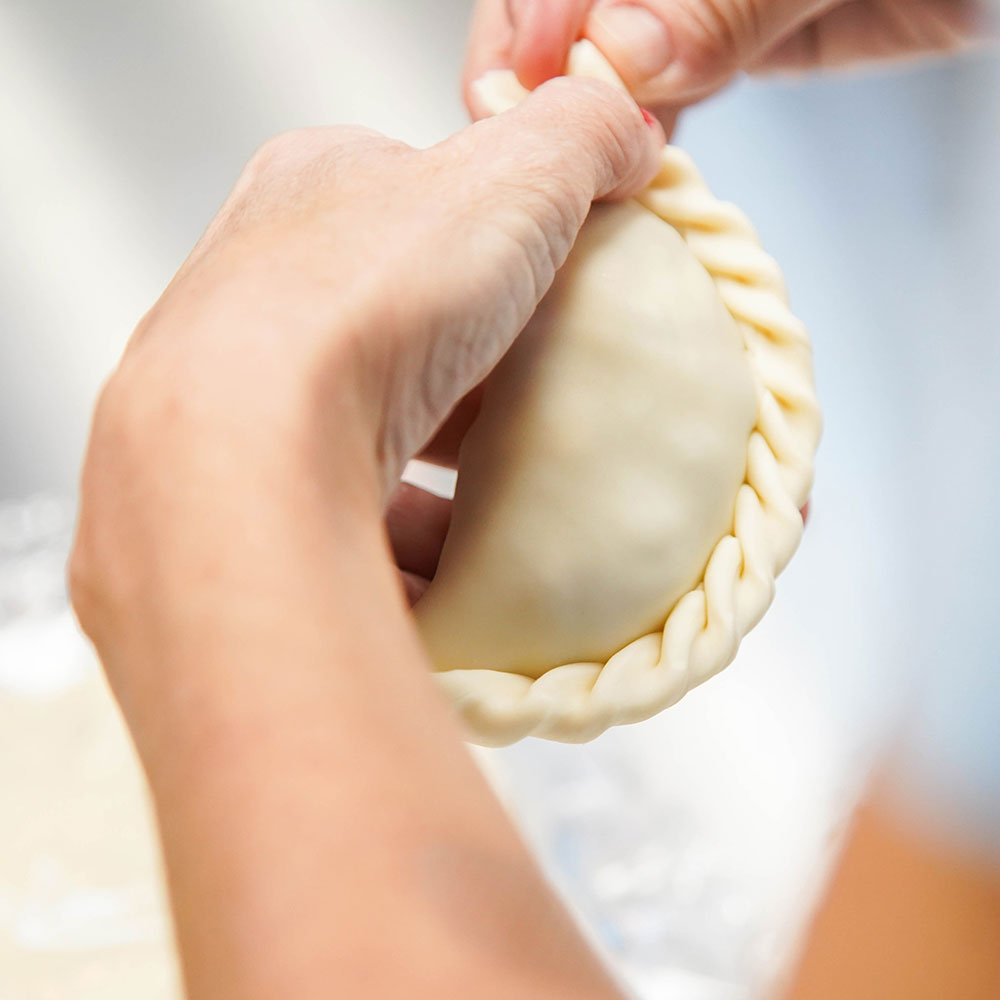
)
(232, 566)
(672, 53)
(353, 284)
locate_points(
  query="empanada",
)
(632, 483)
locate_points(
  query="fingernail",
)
(656, 129)
(638, 36)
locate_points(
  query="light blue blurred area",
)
(879, 197)
(690, 844)
(881, 200)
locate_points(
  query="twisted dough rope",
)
(577, 701)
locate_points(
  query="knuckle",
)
(279, 152)
(295, 150)
(580, 98)
(583, 95)
(540, 200)
(614, 135)
(304, 167)
(541, 178)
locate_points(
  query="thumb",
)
(674, 52)
(530, 175)
(508, 197)
(579, 139)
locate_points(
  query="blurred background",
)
(691, 846)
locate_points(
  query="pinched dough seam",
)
(578, 701)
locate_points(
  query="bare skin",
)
(672, 53)
(242, 534)
(908, 916)
(324, 829)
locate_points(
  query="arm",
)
(325, 833)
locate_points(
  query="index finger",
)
(532, 37)
(544, 30)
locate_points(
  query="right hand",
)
(672, 53)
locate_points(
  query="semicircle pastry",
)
(631, 485)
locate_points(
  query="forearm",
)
(314, 824)
(324, 830)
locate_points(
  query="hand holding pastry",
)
(671, 53)
(320, 820)
(350, 291)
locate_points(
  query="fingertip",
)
(544, 31)
(603, 128)
(657, 131)
(649, 139)
(534, 61)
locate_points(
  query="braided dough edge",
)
(575, 702)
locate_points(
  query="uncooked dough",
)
(631, 487)
(604, 464)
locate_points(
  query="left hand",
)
(319, 819)
(354, 289)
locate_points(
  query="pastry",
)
(631, 485)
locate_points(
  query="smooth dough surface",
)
(604, 464)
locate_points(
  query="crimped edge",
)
(575, 702)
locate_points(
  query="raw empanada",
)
(631, 485)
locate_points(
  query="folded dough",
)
(631, 485)
(604, 463)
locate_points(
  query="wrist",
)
(198, 491)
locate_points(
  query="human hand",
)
(672, 53)
(349, 293)
(233, 570)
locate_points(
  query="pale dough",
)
(631, 487)
(604, 464)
